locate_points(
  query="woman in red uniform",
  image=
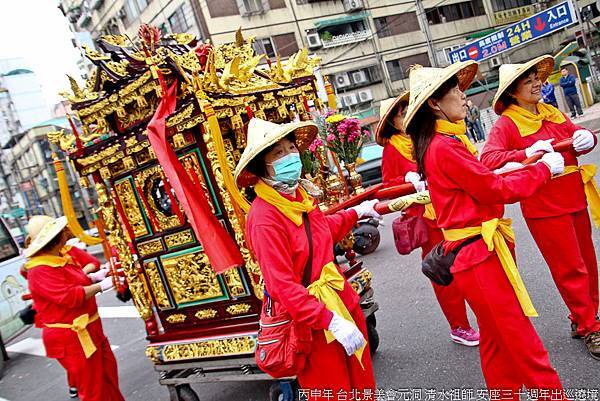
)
(87, 262)
(277, 226)
(397, 167)
(67, 313)
(468, 201)
(557, 214)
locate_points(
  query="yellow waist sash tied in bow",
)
(325, 289)
(588, 172)
(79, 326)
(495, 233)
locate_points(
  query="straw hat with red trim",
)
(509, 73)
(262, 134)
(424, 81)
(385, 109)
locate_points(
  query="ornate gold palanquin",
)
(190, 312)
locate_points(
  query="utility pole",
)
(422, 16)
(387, 82)
(585, 43)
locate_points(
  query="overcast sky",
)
(37, 31)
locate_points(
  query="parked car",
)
(370, 169)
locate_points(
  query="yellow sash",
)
(588, 172)
(529, 123)
(291, 209)
(47, 260)
(458, 130)
(79, 326)
(495, 233)
(403, 144)
(325, 289)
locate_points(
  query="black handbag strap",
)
(308, 268)
(466, 242)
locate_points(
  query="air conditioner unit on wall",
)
(350, 99)
(495, 62)
(359, 77)
(314, 40)
(365, 95)
(342, 80)
(353, 5)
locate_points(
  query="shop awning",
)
(491, 86)
(480, 34)
(341, 20)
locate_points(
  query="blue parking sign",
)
(527, 30)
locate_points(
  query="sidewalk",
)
(590, 118)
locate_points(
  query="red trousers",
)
(96, 377)
(566, 244)
(449, 297)
(512, 354)
(330, 374)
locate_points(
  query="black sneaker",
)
(592, 342)
(73, 392)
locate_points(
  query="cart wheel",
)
(366, 239)
(372, 334)
(185, 393)
(283, 391)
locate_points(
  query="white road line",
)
(34, 346)
(31, 346)
(108, 312)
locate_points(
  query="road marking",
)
(110, 312)
(34, 346)
(31, 346)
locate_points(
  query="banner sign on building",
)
(527, 30)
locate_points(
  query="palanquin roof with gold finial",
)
(122, 91)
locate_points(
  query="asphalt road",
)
(415, 350)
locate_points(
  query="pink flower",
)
(330, 138)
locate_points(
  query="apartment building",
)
(366, 46)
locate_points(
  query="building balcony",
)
(346, 38)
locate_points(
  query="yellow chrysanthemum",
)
(335, 118)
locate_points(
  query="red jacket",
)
(394, 166)
(465, 193)
(81, 257)
(59, 297)
(281, 249)
(559, 196)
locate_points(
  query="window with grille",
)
(455, 12)
(382, 27)
(248, 7)
(501, 5)
(265, 46)
(395, 70)
(178, 22)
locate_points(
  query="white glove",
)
(366, 209)
(99, 275)
(555, 161)
(510, 166)
(106, 284)
(346, 333)
(415, 179)
(540, 146)
(582, 140)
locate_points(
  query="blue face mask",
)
(288, 168)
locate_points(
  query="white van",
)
(12, 287)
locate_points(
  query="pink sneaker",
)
(467, 337)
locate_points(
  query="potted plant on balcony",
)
(326, 36)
